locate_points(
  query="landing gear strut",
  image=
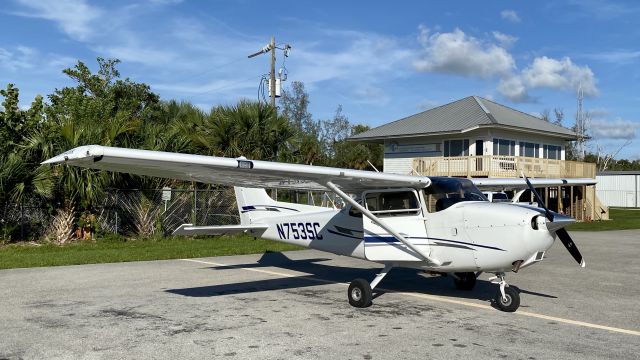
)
(507, 299)
(360, 292)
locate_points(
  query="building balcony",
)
(502, 167)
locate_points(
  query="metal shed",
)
(619, 188)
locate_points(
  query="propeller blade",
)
(541, 203)
(571, 246)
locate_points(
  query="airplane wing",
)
(229, 171)
(519, 183)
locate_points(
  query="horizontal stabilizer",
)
(190, 230)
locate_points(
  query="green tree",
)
(295, 108)
(249, 129)
(100, 109)
(20, 173)
(358, 155)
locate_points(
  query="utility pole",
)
(272, 73)
(272, 77)
(580, 125)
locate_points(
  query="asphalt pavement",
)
(294, 305)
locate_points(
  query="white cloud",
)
(617, 129)
(549, 73)
(510, 15)
(560, 74)
(461, 54)
(514, 89)
(458, 53)
(504, 40)
(74, 17)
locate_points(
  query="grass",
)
(118, 249)
(621, 219)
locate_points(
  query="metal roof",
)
(464, 115)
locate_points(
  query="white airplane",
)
(442, 225)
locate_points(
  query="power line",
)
(199, 93)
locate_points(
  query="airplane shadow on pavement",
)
(398, 280)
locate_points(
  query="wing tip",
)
(77, 153)
(583, 263)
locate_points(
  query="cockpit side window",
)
(393, 203)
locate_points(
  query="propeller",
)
(563, 235)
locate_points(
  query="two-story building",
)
(476, 137)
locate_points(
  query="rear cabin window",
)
(393, 203)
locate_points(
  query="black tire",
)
(359, 293)
(512, 302)
(465, 281)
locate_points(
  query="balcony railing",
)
(502, 166)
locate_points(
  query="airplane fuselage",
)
(466, 237)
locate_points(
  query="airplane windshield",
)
(445, 192)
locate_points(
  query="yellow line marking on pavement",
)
(440, 299)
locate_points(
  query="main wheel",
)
(465, 281)
(512, 301)
(360, 293)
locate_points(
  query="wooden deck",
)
(502, 166)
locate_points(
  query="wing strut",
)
(381, 223)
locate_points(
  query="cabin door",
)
(400, 209)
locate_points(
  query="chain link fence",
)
(144, 212)
(148, 212)
(28, 219)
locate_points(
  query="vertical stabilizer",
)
(251, 201)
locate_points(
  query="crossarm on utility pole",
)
(381, 223)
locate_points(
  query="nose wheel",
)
(507, 298)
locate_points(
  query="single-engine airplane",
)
(437, 224)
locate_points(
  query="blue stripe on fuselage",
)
(392, 240)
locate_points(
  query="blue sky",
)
(380, 61)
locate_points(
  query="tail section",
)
(250, 202)
(255, 205)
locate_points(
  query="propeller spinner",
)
(563, 235)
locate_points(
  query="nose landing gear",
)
(507, 298)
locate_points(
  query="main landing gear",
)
(507, 299)
(360, 292)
